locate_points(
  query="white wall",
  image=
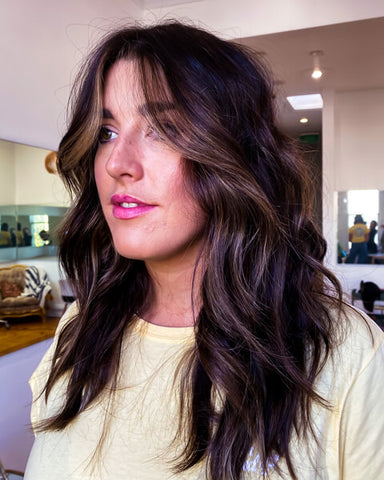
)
(32, 181)
(7, 176)
(359, 135)
(24, 179)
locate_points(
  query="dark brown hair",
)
(265, 292)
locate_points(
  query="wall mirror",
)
(28, 231)
(33, 201)
(355, 208)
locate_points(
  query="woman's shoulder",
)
(69, 314)
(359, 346)
(358, 339)
(361, 333)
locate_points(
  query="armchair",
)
(23, 292)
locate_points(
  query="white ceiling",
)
(162, 3)
(353, 60)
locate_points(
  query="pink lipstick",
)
(126, 207)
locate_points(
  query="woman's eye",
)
(106, 135)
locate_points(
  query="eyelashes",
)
(166, 131)
(106, 135)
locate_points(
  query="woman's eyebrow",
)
(107, 114)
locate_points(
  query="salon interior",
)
(327, 56)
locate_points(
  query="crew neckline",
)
(162, 333)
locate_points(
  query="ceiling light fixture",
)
(306, 102)
(316, 72)
(304, 120)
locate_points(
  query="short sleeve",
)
(362, 423)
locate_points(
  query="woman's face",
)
(151, 215)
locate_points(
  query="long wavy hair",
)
(266, 295)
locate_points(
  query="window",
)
(364, 203)
(39, 223)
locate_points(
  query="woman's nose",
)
(125, 159)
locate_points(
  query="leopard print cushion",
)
(9, 289)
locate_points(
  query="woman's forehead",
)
(122, 80)
(124, 84)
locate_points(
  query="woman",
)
(206, 342)
(5, 236)
(358, 236)
(371, 245)
(27, 237)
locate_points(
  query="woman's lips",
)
(126, 207)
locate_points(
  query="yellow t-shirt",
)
(358, 232)
(5, 238)
(142, 416)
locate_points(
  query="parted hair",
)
(264, 330)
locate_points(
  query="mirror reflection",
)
(360, 228)
(28, 231)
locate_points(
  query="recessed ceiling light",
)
(306, 102)
(304, 120)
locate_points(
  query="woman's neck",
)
(171, 303)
